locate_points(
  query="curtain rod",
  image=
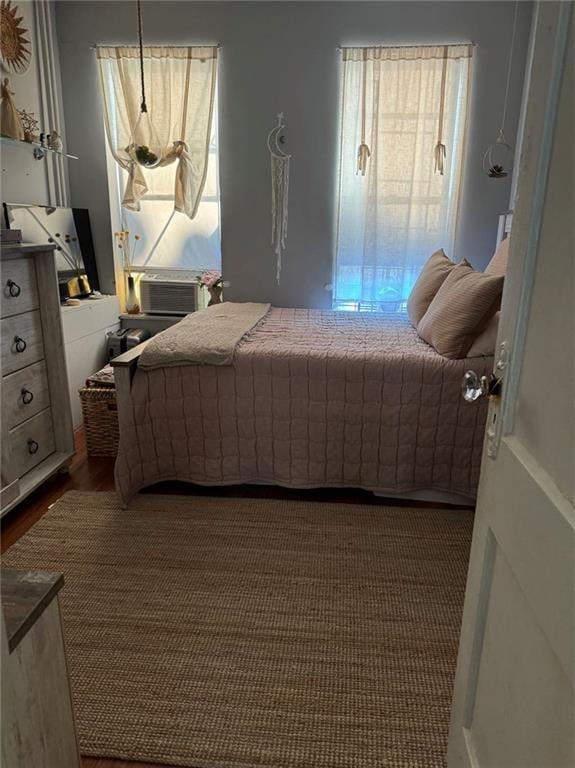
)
(423, 45)
(219, 45)
(155, 45)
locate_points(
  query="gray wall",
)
(283, 57)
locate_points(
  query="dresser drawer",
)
(21, 341)
(19, 287)
(24, 394)
(31, 442)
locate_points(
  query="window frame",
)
(461, 94)
(116, 177)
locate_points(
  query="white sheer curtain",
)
(180, 91)
(402, 135)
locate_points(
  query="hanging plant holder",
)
(498, 159)
(144, 148)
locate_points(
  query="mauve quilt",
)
(313, 398)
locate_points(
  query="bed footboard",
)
(124, 369)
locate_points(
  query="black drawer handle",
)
(20, 344)
(32, 446)
(27, 396)
(13, 288)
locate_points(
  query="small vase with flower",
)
(214, 283)
(128, 251)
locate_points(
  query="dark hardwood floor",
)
(97, 474)
(84, 475)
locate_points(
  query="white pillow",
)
(498, 264)
(484, 344)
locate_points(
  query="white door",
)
(513, 703)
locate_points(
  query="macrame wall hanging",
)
(363, 151)
(280, 189)
(498, 158)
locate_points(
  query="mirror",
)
(69, 230)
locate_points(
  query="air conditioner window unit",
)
(162, 295)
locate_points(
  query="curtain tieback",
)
(363, 155)
(179, 146)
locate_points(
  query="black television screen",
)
(67, 228)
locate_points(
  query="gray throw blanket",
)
(209, 336)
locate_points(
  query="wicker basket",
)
(100, 414)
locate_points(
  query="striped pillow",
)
(430, 279)
(461, 309)
(484, 344)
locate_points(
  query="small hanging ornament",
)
(363, 155)
(439, 154)
(363, 151)
(440, 150)
(144, 148)
(498, 157)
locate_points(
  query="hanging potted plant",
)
(144, 148)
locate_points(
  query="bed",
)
(312, 398)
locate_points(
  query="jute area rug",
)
(212, 633)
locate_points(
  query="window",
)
(398, 190)
(169, 238)
(174, 209)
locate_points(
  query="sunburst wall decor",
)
(14, 43)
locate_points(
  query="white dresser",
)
(37, 436)
(37, 717)
(85, 328)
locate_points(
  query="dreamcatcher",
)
(498, 158)
(280, 188)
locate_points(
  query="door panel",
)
(513, 703)
(515, 653)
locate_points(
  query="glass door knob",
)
(473, 386)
